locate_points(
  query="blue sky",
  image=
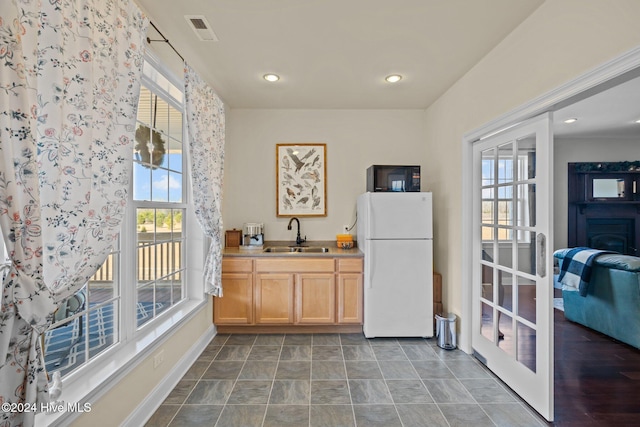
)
(159, 185)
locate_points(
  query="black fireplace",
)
(616, 235)
(604, 206)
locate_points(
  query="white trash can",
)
(446, 331)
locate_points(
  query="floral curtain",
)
(69, 83)
(205, 126)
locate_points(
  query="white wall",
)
(355, 140)
(560, 41)
(582, 150)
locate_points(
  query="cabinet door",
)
(350, 298)
(274, 298)
(236, 304)
(315, 298)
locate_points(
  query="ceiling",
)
(611, 113)
(334, 53)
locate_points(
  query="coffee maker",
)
(252, 235)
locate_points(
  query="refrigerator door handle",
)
(369, 220)
(369, 267)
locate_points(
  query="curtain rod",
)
(164, 40)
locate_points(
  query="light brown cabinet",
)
(315, 298)
(274, 298)
(290, 291)
(350, 298)
(236, 305)
(349, 288)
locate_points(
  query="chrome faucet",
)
(299, 240)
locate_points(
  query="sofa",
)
(612, 303)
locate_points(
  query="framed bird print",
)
(301, 179)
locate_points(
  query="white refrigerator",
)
(395, 232)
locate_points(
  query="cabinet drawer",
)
(350, 265)
(236, 265)
(306, 265)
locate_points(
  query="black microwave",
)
(393, 178)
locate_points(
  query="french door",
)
(512, 309)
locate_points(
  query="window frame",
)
(165, 93)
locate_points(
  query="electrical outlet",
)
(158, 359)
(345, 229)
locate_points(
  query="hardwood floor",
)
(597, 379)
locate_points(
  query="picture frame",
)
(301, 179)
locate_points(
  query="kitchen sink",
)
(280, 249)
(296, 249)
(314, 249)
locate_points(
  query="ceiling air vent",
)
(201, 27)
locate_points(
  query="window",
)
(145, 275)
(508, 211)
(87, 323)
(158, 197)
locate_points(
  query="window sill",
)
(90, 382)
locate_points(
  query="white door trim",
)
(609, 74)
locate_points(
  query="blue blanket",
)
(575, 271)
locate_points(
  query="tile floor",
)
(338, 380)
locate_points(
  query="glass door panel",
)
(487, 325)
(511, 311)
(526, 346)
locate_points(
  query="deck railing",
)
(155, 259)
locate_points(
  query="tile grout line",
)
(472, 396)
(429, 346)
(346, 376)
(205, 371)
(244, 362)
(393, 402)
(445, 358)
(197, 381)
(273, 380)
(427, 388)
(516, 399)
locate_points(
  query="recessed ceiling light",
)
(393, 78)
(572, 120)
(271, 77)
(638, 121)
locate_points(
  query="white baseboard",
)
(153, 400)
